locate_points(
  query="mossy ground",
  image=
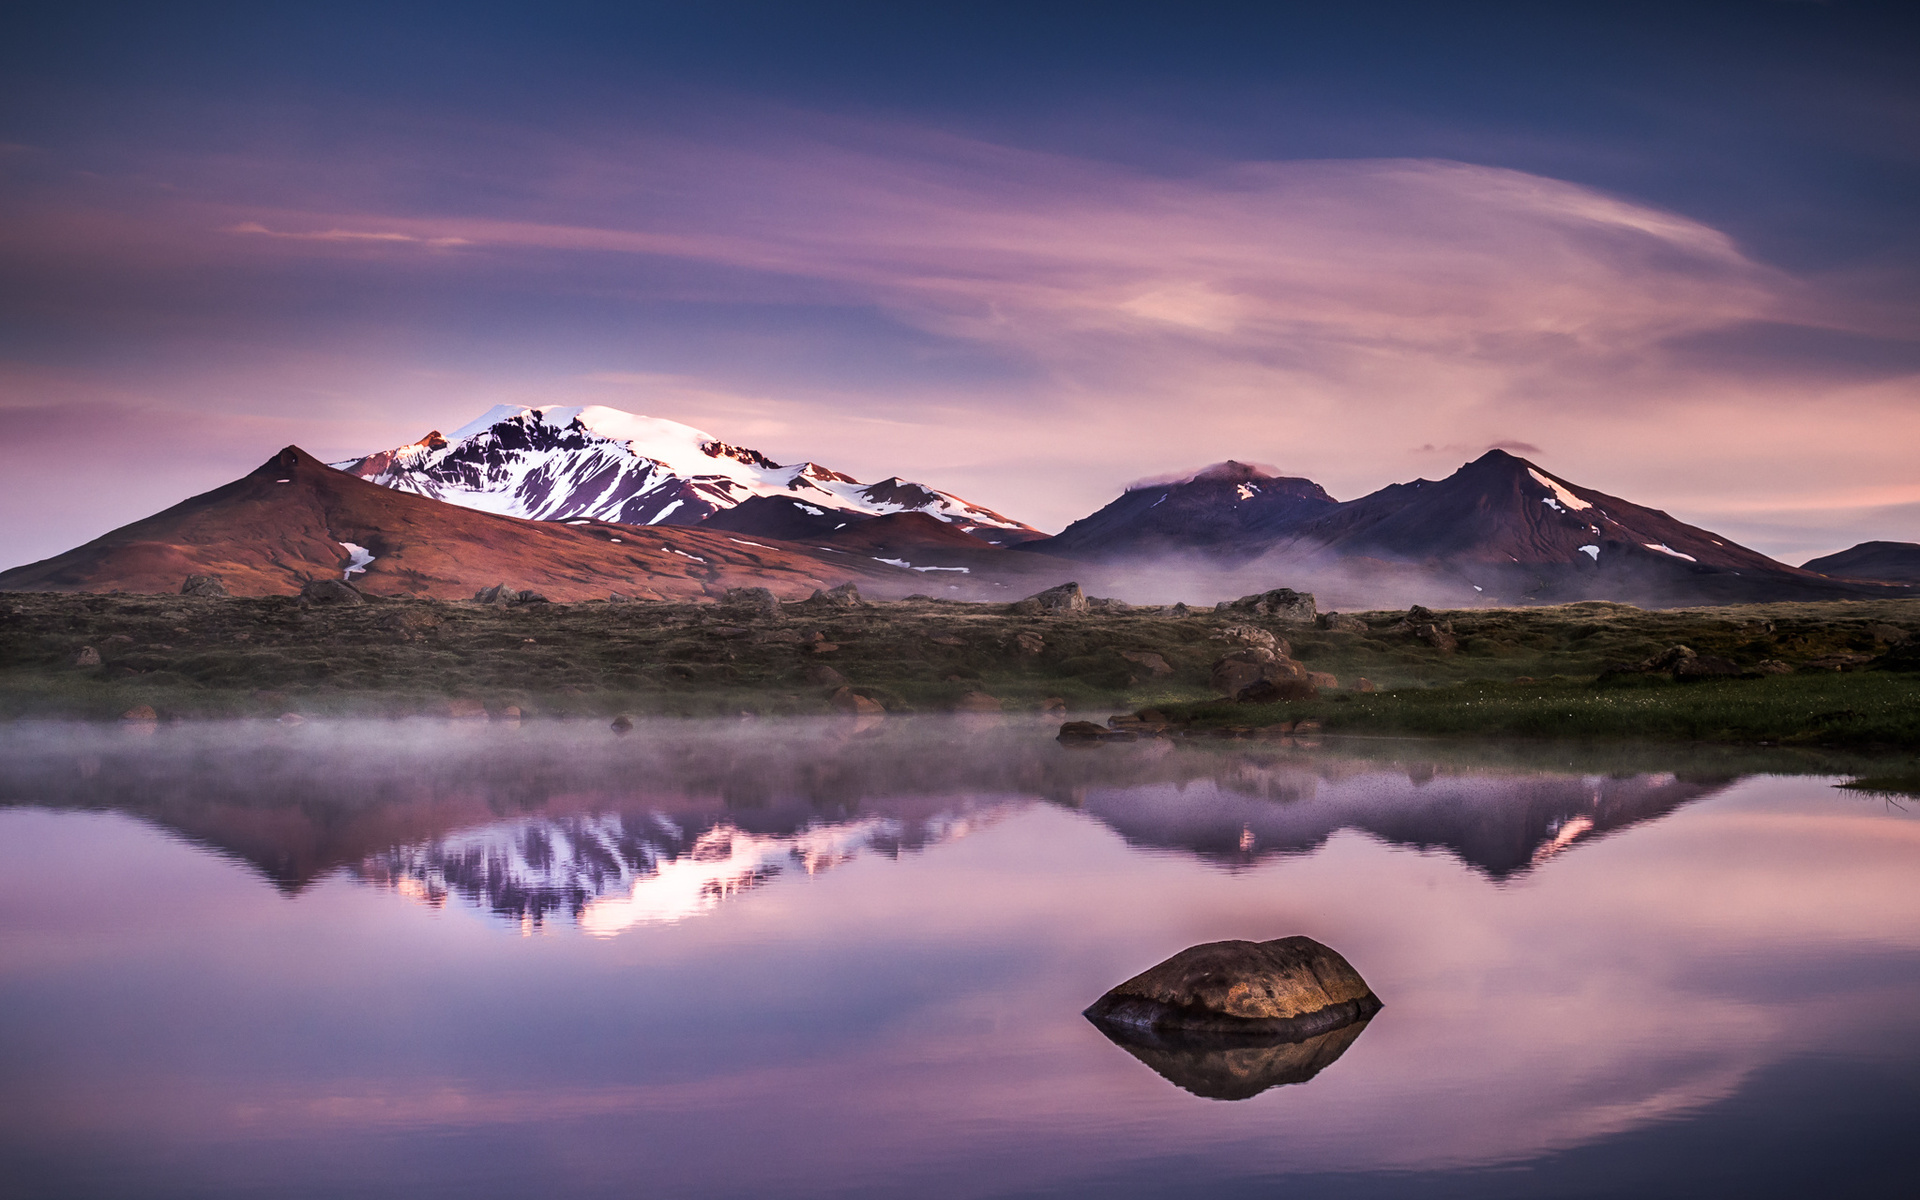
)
(198, 657)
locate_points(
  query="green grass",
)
(190, 657)
(1857, 708)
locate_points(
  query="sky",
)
(1027, 253)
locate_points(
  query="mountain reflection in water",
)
(563, 820)
(854, 964)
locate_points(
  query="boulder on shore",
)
(844, 596)
(1067, 598)
(1238, 670)
(1279, 604)
(330, 591)
(203, 585)
(1291, 988)
(755, 602)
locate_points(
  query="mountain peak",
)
(564, 462)
(1230, 471)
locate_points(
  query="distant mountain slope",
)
(1228, 511)
(1515, 531)
(296, 518)
(1886, 562)
(558, 463)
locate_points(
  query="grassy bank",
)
(96, 656)
(1856, 708)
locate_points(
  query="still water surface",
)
(772, 959)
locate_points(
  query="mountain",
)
(1883, 562)
(1228, 511)
(1517, 532)
(560, 464)
(295, 518)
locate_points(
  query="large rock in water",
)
(1292, 989)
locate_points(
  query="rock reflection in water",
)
(1225, 1067)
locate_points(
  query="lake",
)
(814, 958)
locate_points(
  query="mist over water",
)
(803, 958)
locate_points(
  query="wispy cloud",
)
(343, 235)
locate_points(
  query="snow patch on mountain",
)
(357, 563)
(1559, 490)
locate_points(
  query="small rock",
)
(1323, 680)
(1083, 731)
(1053, 704)
(822, 675)
(844, 596)
(1028, 643)
(1280, 604)
(622, 724)
(511, 713)
(1706, 666)
(1270, 691)
(292, 718)
(1892, 635)
(140, 712)
(1154, 663)
(87, 657)
(1067, 598)
(1772, 666)
(1440, 639)
(1251, 635)
(976, 702)
(1239, 669)
(756, 602)
(1107, 604)
(330, 591)
(824, 647)
(619, 598)
(1363, 684)
(204, 585)
(847, 701)
(1340, 623)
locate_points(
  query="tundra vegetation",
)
(1843, 673)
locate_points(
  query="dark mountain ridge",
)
(1228, 511)
(1881, 562)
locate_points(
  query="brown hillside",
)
(269, 531)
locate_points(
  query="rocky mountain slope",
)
(296, 519)
(1883, 562)
(563, 463)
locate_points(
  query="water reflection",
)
(611, 871)
(563, 821)
(1580, 950)
(1223, 1067)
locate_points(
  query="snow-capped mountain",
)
(560, 464)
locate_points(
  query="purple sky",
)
(1678, 265)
